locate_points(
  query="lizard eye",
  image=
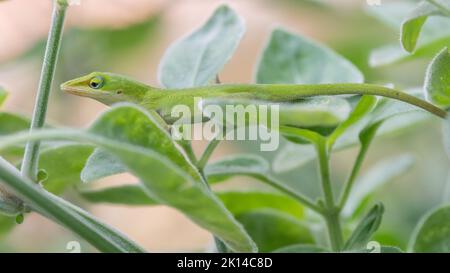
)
(96, 82)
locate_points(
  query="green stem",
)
(441, 7)
(99, 235)
(31, 156)
(366, 137)
(352, 177)
(286, 190)
(331, 212)
(220, 246)
(207, 153)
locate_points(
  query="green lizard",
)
(111, 88)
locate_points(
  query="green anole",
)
(111, 88)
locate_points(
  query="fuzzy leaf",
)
(433, 232)
(197, 58)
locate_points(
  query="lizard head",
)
(107, 88)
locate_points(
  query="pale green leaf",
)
(197, 58)
(63, 165)
(101, 164)
(291, 58)
(365, 229)
(132, 195)
(435, 34)
(432, 234)
(236, 202)
(412, 25)
(292, 156)
(437, 79)
(241, 164)
(307, 113)
(148, 152)
(9, 124)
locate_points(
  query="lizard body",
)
(110, 88)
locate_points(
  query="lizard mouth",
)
(81, 91)
(74, 90)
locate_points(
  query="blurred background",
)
(130, 36)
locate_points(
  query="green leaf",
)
(236, 202)
(3, 95)
(9, 124)
(241, 164)
(435, 34)
(292, 156)
(115, 45)
(394, 54)
(133, 195)
(101, 164)
(317, 112)
(432, 234)
(271, 229)
(300, 136)
(196, 59)
(307, 113)
(242, 202)
(379, 175)
(63, 165)
(412, 25)
(365, 229)
(149, 153)
(7, 223)
(99, 235)
(392, 116)
(300, 248)
(437, 79)
(291, 58)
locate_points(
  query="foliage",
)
(275, 218)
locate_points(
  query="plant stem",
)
(286, 190)
(84, 225)
(31, 156)
(365, 137)
(201, 163)
(207, 153)
(440, 6)
(352, 177)
(331, 212)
